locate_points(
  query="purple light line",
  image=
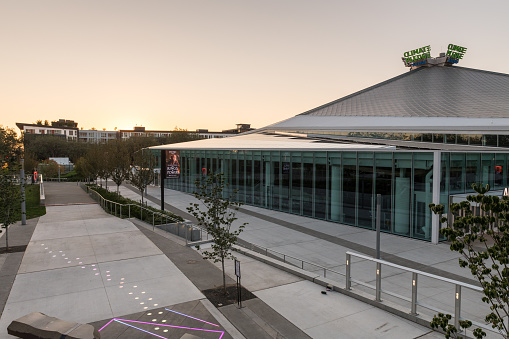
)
(156, 335)
(185, 315)
(183, 327)
(106, 325)
(121, 321)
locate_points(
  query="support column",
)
(435, 219)
(268, 185)
(335, 196)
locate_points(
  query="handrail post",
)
(120, 211)
(378, 281)
(153, 223)
(129, 211)
(414, 294)
(348, 263)
(457, 307)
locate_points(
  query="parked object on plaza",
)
(39, 325)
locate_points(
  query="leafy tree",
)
(10, 190)
(142, 171)
(88, 165)
(216, 214)
(50, 168)
(31, 162)
(38, 122)
(10, 201)
(105, 161)
(46, 123)
(120, 163)
(483, 242)
(178, 135)
(46, 146)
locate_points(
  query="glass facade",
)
(490, 140)
(341, 186)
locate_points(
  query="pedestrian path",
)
(132, 282)
(83, 265)
(326, 243)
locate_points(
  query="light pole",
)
(23, 205)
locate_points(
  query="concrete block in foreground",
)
(37, 325)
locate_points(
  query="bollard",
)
(378, 281)
(457, 307)
(414, 294)
(348, 263)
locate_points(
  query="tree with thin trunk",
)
(216, 215)
(10, 189)
(142, 171)
(120, 163)
(482, 239)
(10, 201)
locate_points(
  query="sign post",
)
(237, 273)
(163, 176)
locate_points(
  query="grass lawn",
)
(32, 202)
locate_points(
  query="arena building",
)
(421, 137)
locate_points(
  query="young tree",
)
(142, 171)
(88, 165)
(105, 162)
(216, 214)
(120, 163)
(10, 201)
(31, 163)
(10, 190)
(483, 242)
(50, 168)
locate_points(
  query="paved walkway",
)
(84, 265)
(325, 244)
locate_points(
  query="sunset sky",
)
(214, 63)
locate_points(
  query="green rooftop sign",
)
(455, 53)
(420, 56)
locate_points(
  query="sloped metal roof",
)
(268, 141)
(428, 92)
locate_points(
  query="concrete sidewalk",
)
(325, 244)
(84, 265)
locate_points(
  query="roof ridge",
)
(480, 70)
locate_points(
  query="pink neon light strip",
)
(185, 315)
(106, 325)
(156, 335)
(175, 326)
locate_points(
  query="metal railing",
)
(413, 300)
(294, 261)
(56, 179)
(190, 232)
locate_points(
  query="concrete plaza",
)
(325, 244)
(84, 265)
